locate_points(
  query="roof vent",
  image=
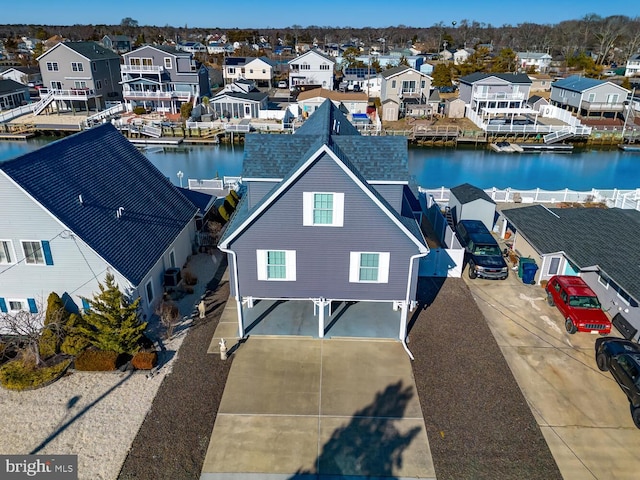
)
(80, 199)
(119, 212)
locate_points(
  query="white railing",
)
(45, 99)
(141, 68)
(151, 131)
(158, 95)
(105, 113)
(230, 127)
(16, 112)
(232, 182)
(268, 127)
(499, 96)
(629, 199)
(212, 184)
(70, 94)
(214, 125)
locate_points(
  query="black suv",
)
(482, 252)
(622, 358)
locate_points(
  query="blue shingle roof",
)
(574, 83)
(109, 172)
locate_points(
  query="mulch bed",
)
(173, 439)
(478, 422)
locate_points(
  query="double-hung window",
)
(77, 67)
(276, 265)
(323, 209)
(52, 66)
(369, 267)
(37, 252)
(6, 252)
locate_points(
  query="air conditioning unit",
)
(172, 277)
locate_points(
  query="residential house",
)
(540, 83)
(539, 61)
(589, 97)
(13, 94)
(632, 67)
(83, 206)
(461, 55)
(220, 48)
(29, 76)
(312, 68)
(117, 43)
(241, 99)
(407, 87)
(468, 202)
(325, 233)
(488, 94)
(161, 78)
(80, 76)
(599, 245)
(349, 103)
(261, 70)
(361, 79)
(191, 47)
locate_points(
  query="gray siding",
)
(322, 253)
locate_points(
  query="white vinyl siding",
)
(276, 265)
(7, 255)
(369, 267)
(323, 209)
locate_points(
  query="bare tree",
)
(607, 34)
(169, 313)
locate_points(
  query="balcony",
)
(602, 106)
(141, 69)
(156, 96)
(72, 94)
(498, 96)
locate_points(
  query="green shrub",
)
(139, 110)
(49, 343)
(144, 360)
(185, 110)
(97, 361)
(23, 374)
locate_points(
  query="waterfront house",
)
(83, 206)
(29, 76)
(117, 43)
(13, 94)
(598, 244)
(80, 76)
(349, 102)
(312, 68)
(589, 97)
(406, 86)
(632, 68)
(325, 229)
(241, 99)
(361, 79)
(260, 70)
(491, 91)
(539, 61)
(161, 78)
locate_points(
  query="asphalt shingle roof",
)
(7, 85)
(466, 193)
(507, 77)
(607, 238)
(91, 50)
(109, 172)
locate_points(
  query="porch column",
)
(404, 314)
(322, 305)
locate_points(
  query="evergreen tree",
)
(441, 75)
(112, 323)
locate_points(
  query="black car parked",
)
(482, 252)
(622, 358)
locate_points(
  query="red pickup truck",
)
(578, 304)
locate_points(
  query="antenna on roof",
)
(119, 212)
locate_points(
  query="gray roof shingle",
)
(91, 50)
(519, 78)
(607, 238)
(109, 172)
(466, 193)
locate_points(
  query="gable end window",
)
(323, 209)
(167, 63)
(37, 252)
(369, 267)
(77, 67)
(276, 265)
(7, 255)
(52, 66)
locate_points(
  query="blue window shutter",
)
(33, 308)
(46, 250)
(85, 305)
(3, 305)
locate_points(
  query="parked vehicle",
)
(578, 304)
(482, 252)
(282, 84)
(622, 358)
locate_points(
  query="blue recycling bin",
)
(529, 272)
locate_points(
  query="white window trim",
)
(383, 267)
(551, 262)
(146, 292)
(290, 265)
(168, 63)
(604, 284)
(23, 301)
(622, 299)
(24, 254)
(307, 209)
(12, 252)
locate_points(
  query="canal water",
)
(583, 169)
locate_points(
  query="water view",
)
(433, 167)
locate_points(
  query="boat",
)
(629, 148)
(541, 147)
(506, 147)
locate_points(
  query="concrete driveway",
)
(297, 408)
(583, 414)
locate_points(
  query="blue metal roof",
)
(574, 83)
(109, 172)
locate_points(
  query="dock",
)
(629, 148)
(541, 147)
(506, 147)
(156, 141)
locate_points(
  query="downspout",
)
(408, 300)
(237, 288)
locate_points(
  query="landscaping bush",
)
(139, 110)
(23, 374)
(189, 278)
(144, 360)
(97, 361)
(74, 342)
(49, 343)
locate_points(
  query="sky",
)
(279, 14)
